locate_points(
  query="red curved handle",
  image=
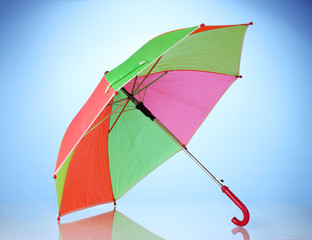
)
(244, 209)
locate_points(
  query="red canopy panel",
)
(88, 180)
(83, 120)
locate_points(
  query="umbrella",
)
(144, 111)
(110, 225)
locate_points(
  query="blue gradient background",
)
(258, 137)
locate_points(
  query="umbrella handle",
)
(242, 207)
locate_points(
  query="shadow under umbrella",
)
(111, 225)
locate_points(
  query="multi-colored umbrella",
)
(144, 111)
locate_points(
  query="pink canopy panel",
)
(181, 100)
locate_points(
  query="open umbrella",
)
(144, 111)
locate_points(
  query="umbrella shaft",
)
(186, 151)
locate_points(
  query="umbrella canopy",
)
(111, 225)
(175, 78)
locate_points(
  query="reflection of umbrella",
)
(174, 80)
(111, 225)
(243, 231)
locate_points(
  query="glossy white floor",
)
(197, 220)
